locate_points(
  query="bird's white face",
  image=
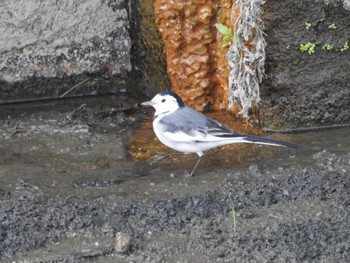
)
(163, 104)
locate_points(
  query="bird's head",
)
(165, 102)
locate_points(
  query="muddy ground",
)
(68, 186)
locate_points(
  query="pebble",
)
(122, 243)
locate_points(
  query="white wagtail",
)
(189, 131)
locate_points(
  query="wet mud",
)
(70, 182)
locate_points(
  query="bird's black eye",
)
(163, 100)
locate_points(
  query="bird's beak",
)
(147, 103)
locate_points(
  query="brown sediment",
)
(196, 61)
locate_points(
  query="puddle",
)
(69, 147)
(98, 151)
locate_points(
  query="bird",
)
(189, 131)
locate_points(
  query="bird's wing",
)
(190, 125)
(215, 128)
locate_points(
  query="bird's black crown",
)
(177, 97)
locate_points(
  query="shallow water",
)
(83, 149)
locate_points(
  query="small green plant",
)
(307, 25)
(332, 26)
(233, 214)
(228, 35)
(345, 47)
(309, 47)
(327, 47)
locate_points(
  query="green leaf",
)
(223, 29)
(226, 41)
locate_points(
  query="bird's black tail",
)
(269, 141)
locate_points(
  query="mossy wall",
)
(302, 89)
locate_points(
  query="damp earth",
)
(77, 174)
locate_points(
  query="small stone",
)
(122, 243)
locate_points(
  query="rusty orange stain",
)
(196, 62)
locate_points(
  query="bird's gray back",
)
(187, 120)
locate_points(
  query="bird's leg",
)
(163, 156)
(194, 168)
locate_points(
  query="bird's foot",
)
(187, 174)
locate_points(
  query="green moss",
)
(332, 26)
(327, 47)
(307, 25)
(309, 47)
(345, 47)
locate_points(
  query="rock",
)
(122, 243)
(54, 39)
